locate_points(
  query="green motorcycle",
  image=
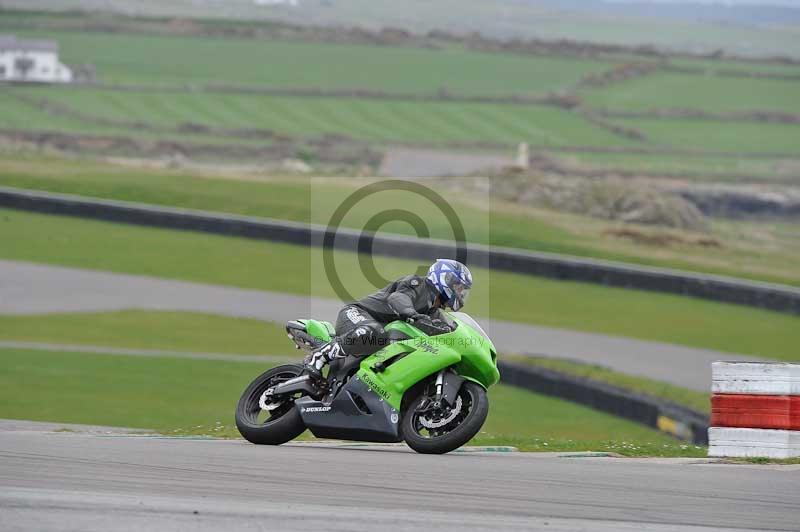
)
(429, 391)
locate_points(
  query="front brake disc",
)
(428, 424)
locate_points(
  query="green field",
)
(712, 66)
(17, 115)
(168, 77)
(741, 137)
(756, 251)
(368, 120)
(712, 94)
(20, 116)
(377, 121)
(287, 268)
(199, 396)
(162, 60)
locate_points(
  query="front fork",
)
(437, 399)
(435, 402)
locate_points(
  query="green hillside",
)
(162, 60)
(743, 138)
(369, 120)
(514, 19)
(711, 94)
(155, 77)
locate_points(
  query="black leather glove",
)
(417, 317)
(431, 327)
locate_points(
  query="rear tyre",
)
(439, 431)
(272, 427)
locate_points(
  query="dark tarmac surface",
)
(94, 480)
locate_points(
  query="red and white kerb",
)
(755, 410)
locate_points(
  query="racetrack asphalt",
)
(110, 482)
(28, 288)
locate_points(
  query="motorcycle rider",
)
(359, 325)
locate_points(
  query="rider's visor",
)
(461, 293)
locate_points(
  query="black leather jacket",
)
(400, 300)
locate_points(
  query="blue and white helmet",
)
(453, 280)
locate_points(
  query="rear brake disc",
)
(264, 405)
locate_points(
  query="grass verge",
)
(698, 401)
(761, 461)
(296, 269)
(160, 60)
(756, 251)
(195, 332)
(140, 329)
(176, 396)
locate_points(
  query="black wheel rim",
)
(254, 415)
(431, 414)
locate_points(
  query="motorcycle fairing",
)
(356, 413)
(405, 372)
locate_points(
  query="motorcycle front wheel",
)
(269, 427)
(430, 430)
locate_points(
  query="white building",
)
(31, 60)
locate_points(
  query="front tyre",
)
(440, 430)
(269, 427)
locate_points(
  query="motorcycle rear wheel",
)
(465, 424)
(282, 424)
